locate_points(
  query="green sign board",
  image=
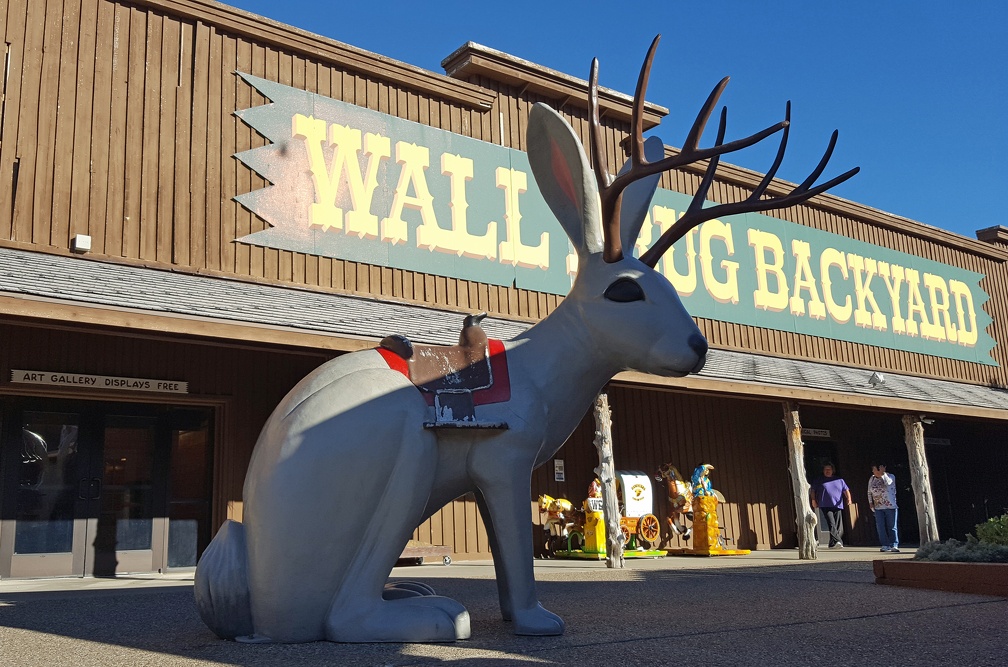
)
(356, 184)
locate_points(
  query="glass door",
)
(94, 488)
(122, 521)
(189, 486)
(46, 490)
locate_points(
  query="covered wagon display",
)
(641, 528)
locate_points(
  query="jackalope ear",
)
(565, 177)
(638, 195)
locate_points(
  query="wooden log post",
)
(920, 479)
(606, 473)
(806, 520)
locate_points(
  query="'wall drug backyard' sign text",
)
(360, 185)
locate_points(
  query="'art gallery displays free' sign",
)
(359, 185)
(88, 381)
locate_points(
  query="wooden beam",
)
(473, 59)
(606, 472)
(805, 518)
(76, 315)
(920, 478)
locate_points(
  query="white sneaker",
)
(894, 550)
(886, 549)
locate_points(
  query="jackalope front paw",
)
(537, 622)
(418, 618)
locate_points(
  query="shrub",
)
(989, 546)
(994, 530)
(970, 551)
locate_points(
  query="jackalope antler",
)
(611, 189)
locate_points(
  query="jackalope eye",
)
(624, 290)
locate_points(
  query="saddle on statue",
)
(454, 378)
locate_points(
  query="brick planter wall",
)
(978, 578)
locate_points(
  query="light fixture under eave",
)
(80, 243)
(876, 379)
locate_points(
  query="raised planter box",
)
(978, 578)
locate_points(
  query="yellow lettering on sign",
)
(572, 264)
(863, 270)
(966, 311)
(512, 250)
(829, 258)
(685, 283)
(893, 275)
(725, 291)
(763, 243)
(414, 161)
(804, 280)
(346, 145)
(458, 240)
(344, 164)
(941, 327)
(915, 305)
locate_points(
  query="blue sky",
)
(918, 90)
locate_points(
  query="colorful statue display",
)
(411, 427)
(564, 524)
(641, 529)
(701, 481)
(680, 499)
(594, 528)
(707, 538)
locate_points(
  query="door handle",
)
(82, 493)
(95, 487)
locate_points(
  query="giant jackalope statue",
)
(310, 562)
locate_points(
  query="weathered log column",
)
(808, 538)
(920, 479)
(607, 475)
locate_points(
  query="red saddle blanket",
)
(498, 392)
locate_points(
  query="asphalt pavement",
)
(767, 608)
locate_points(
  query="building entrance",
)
(99, 488)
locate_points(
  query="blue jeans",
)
(885, 524)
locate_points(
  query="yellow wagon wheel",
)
(648, 528)
(626, 533)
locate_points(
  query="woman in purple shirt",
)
(830, 494)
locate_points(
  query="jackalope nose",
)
(698, 344)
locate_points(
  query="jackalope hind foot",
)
(397, 590)
(420, 618)
(538, 622)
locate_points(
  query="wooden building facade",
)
(140, 351)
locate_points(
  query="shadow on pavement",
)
(784, 615)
